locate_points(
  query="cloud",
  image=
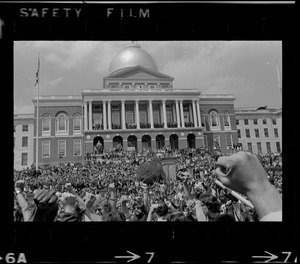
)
(23, 109)
(71, 55)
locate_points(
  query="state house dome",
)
(132, 55)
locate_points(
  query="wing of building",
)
(137, 107)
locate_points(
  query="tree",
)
(150, 172)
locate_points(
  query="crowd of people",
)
(109, 189)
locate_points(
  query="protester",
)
(109, 190)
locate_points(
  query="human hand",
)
(243, 173)
(20, 184)
(69, 199)
(45, 206)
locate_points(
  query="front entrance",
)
(146, 142)
(98, 145)
(160, 141)
(174, 141)
(191, 141)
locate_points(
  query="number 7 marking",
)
(288, 255)
(151, 257)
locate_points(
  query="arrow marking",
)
(131, 258)
(270, 257)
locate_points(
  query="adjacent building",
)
(259, 129)
(23, 140)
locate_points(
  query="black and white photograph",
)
(109, 131)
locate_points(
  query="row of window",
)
(259, 147)
(256, 132)
(24, 128)
(214, 119)
(62, 148)
(255, 121)
(61, 123)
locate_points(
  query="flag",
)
(37, 72)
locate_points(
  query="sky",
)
(249, 70)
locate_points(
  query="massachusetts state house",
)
(137, 107)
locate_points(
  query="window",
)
(156, 117)
(62, 123)
(46, 149)
(246, 122)
(226, 120)
(46, 123)
(77, 123)
(259, 147)
(169, 117)
(239, 133)
(274, 121)
(77, 147)
(229, 140)
(278, 147)
(237, 122)
(25, 128)
(24, 159)
(61, 148)
(115, 118)
(255, 121)
(247, 133)
(129, 117)
(126, 86)
(266, 132)
(268, 147)
(169, 107)
(264, 121)
(256, 133)
(143, 117)
(276, 132)
(24, 142)
(214, 120)
(249, 147)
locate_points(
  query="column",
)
(151, 113)
(123, 115)
(190, 113)
(198, 112)
(109, 114)
(104, 115)
(177, 114)
(90, 116)
(85, 116)
(181, 112)
(194, 113)
(164, 113)
(137, 114)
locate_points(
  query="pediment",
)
(138, 73)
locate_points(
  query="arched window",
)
(62, 123)
(77, 123)
(214, 120)
(226, 117)
(46, 124)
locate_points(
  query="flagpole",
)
(37, 114)
(278, 77)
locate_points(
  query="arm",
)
(23, 204)
(187, 192)
(151, 211)
(146, 196)
(199, 212)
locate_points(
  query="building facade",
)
(259, 129)
(23, 140)
(137, 108)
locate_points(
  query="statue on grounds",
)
(98, 148)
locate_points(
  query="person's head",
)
(115, 216)
(177, 217)
(162, 209)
